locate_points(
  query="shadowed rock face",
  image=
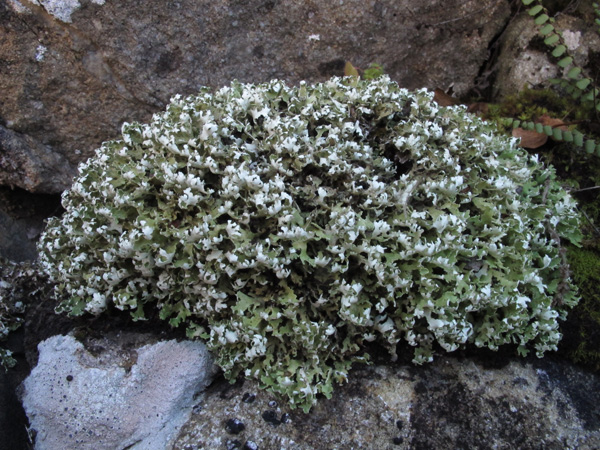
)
(22, 217)
(72, 72)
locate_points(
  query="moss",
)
(582, 330)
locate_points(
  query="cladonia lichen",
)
(290, 226)
(18, 281)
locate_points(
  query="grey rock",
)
(74, 71)
(120, 397)
(449, 404)
(28, 164)
(525, 61)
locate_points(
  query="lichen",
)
(291, 226)
(61, 9)
(12, 304)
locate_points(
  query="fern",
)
(575, 81)
(572, 136)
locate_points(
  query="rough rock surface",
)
(453, 403)
(72, 72)
(27, 164)
(108, 397)
(525, 60)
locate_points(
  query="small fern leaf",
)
(590, 146)
(589, 96)
(535, 10)
(565, 62)
(552, 39)
(559, 51)
(574, 73)
(583, 83)
(557, 134)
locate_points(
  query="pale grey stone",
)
(525, 61)
(121, 398)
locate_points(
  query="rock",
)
(74, 71)
(451, 403)
(525, 61)
(22, 217)
(113, 396)
(28, 164)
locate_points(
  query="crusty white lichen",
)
(61, 9)
(289, 226)
(12, 306)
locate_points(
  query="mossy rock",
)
(581, 342)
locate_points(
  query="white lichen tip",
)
(40, 52)
(17, 6)
(61, 9)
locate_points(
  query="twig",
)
(590, 221)
(546, 189)
(585, 189)
(456, 19)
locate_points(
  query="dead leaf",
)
(443, 99)
(530, 138)
(479, 108)
(350, 70)
(554, 123)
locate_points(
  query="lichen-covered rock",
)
(525, 61)
(582, 330)
(74, 70)
(452, 403)
(116, 397)
(289, 226)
